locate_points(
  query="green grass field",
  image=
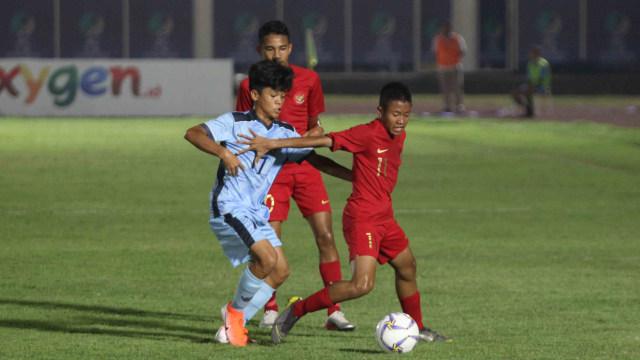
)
(527, 236)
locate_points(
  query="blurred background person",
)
(449, 48)
(538, 81)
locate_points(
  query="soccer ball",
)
(397, 333)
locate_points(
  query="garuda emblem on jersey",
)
(299, 98)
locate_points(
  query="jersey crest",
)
(299, 98)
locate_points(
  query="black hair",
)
(275, 27)
(270, 74)
(536, 49)
(394, 91)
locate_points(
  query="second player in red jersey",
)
(302, 182)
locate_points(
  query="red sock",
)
(331, 273)
(411, 306)
(271, 304)
(315, 302)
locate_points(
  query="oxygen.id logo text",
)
(64, 83)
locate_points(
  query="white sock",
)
(259, 300)
(248, 285)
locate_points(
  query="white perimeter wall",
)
(109, 87)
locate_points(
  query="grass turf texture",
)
(525, 233)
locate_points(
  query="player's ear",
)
(379, 111)
(259, 50)
(255, 94)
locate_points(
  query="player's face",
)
(533, 55)
(395, 116)
(268, 103)
(275, 47)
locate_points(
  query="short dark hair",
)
(275, 27)
(270, 74)
(535, 48)
(394, 91)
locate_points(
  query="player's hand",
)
(257, 143)
(232, 163)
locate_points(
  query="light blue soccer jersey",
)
(249, 189)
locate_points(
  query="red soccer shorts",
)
(304, 184)
(384, 240)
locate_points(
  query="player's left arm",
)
(315, 108)
(328, 166)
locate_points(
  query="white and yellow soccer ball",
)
(397, 333)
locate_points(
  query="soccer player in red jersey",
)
(303, 103)
(369, 228)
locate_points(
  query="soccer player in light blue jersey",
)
(238, 216)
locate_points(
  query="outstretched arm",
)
(262, 145)
(198, 137)
(329, 166)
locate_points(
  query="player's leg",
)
(271, 306)
(364, 270)
(329, 266)
(278, 202)
(450, 83)
(364, 251)
(404, 266)
(264, 258)
(311, 197)
(522, 96)
(441, 83)
(459, 90)
(528, 95)
(276, 278)
(242, 241)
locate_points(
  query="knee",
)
(280, 275)
(408, 271)
(362, 287)
(267, 261)
(324, 239)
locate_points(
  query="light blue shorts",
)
(237, 231)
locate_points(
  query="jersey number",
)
(380, 167)
(261, 162)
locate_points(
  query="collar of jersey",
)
(254, 116)
(379, 124)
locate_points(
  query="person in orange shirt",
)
(449, 48)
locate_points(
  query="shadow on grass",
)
(101, 309)
(103, 324)
(362, 351)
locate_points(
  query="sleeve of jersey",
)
(352, 140)
(297, 154)
(220, 128)
(244, 101)
(316, 101)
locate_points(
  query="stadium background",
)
(591, 44)
(525, 231)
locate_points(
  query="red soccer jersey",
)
(304, 100)
(376, 159)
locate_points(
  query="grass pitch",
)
(526, 236)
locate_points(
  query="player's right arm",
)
(197, 135)
(262, 145)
